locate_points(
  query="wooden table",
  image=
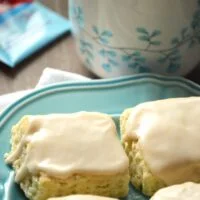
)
(61, 55)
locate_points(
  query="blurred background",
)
(61, 54)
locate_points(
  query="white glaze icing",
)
(186, 191)
(82, 197)
(67, 144)
(168, 132)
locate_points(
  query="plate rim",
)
(102, 83)
(97, 83)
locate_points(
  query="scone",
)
(185, 191)
(162, 141)
(63, 154)
(82, 197)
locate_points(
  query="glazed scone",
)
(162, 141)
(82, 197)
(185, 191)
(63, 154)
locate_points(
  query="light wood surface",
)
(61, 55)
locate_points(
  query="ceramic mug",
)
(116, 37)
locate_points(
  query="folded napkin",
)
(48, 77)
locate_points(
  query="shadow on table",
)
(194, 75)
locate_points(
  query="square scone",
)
(162, 140)
(61, 154)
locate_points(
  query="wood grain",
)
(61, 55)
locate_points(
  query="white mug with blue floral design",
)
(123, 37)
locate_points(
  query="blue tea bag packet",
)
(27, 28)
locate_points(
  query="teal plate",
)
(108, 96)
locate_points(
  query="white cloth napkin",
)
(48, 77)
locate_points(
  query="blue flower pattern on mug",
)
(195, 26)
(132, 57)
(190, 36)
(109, 60)
(136, 61)
(77, 13)
(174, 60)
(102, 36)
(86, 49)
(149, 38)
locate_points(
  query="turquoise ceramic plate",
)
(109, 96)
